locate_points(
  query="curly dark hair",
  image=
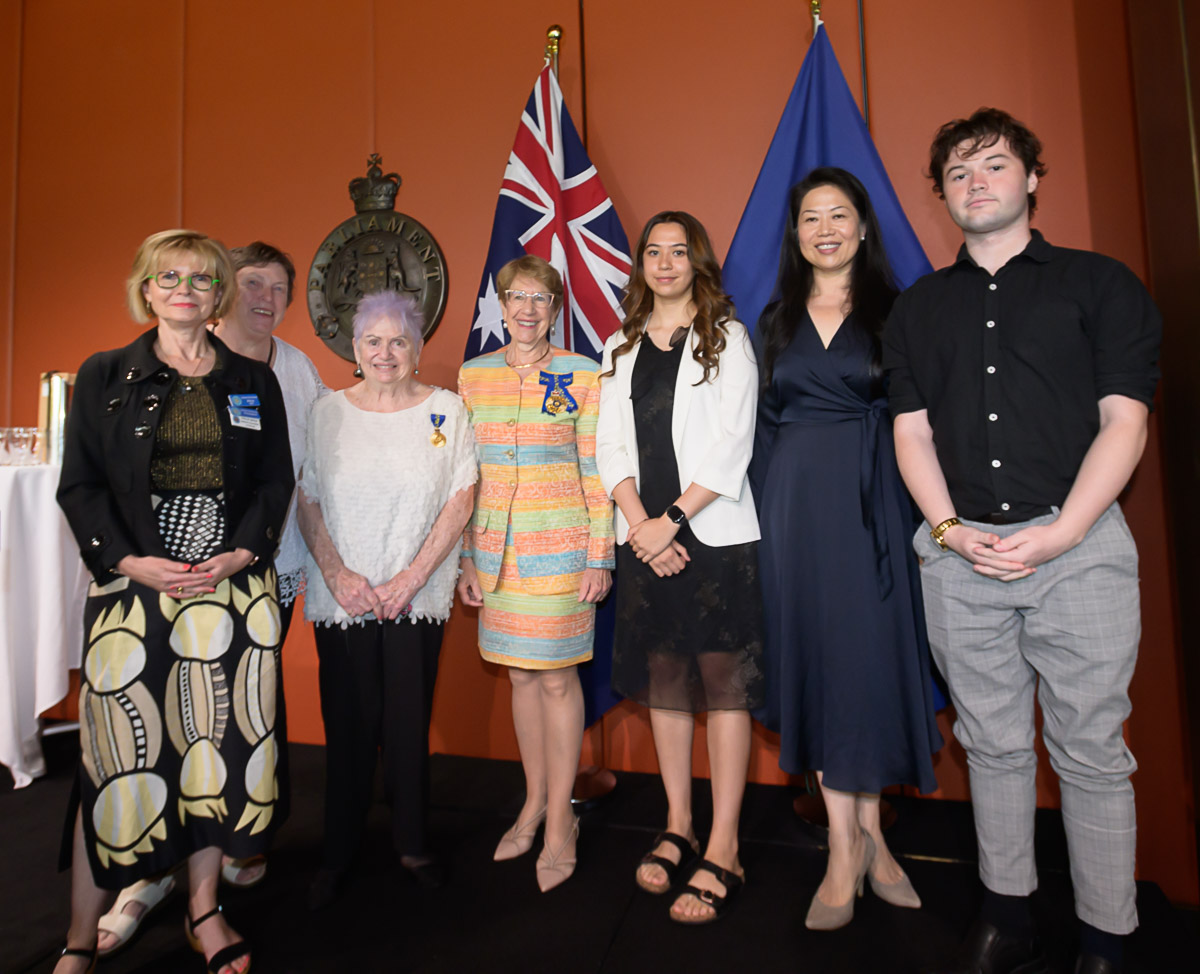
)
(983, 129)
(713, 306)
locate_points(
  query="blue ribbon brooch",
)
(558, 397)
(438, 438)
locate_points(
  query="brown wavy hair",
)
(713, 306)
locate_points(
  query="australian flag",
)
(553, 205)
(821, 126)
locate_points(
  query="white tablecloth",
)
(43, 584)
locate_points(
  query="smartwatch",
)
(676, 515)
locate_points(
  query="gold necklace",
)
(530, 364)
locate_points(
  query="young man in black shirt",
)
(1021, 378)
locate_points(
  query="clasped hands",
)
(179, 579)
(1014, 557)
(653, 541)
(388, 601)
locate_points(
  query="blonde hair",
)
(149, 259)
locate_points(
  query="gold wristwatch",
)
(938, 533)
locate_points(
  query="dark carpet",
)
(490, 917)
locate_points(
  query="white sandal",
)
(149, 893)
(232, 868)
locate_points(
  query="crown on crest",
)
(375, 191)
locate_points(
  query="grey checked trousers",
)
(1071, 632)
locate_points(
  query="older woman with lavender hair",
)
(386, 490)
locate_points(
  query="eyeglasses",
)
(170, 279)
(540, 299)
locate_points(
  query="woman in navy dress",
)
(847, 660)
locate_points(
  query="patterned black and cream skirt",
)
(180, 710)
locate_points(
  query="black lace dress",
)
(693, 641)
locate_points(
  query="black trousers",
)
(377, 685)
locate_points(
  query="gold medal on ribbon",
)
(557, 396)
(437, 438)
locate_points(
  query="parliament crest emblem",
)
(377, 249)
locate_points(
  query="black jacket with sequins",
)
(115, 412)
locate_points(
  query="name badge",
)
(244, 399)
(557, 397)
(245, 418)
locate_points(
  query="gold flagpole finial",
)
(814, 7)
(553, 35)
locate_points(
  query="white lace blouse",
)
(381, 481)
(302, 386)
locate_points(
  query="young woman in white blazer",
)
(678, 396)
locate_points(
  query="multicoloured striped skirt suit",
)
(541, 514)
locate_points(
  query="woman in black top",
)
(673, 441)
(176, 479)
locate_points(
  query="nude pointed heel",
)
(822, 916)
(518, 840)
(899, 893)
(556, 868)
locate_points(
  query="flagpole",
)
(862, 60)
(553, 36)
(583, 75)
(814, 7)
(596, 781)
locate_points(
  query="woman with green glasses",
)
(176, 479)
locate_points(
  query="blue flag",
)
(821, 126)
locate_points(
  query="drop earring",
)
(357, 371)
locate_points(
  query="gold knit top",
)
(187, 450)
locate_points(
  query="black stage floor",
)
(490, 917)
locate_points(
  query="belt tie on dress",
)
(870, 484)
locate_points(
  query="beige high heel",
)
(518, 840)
(557, 867)
(822, 916)
(899, 893)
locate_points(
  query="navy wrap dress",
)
(846, 655)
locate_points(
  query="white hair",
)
(401, 308)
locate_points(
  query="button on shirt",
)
(1011, 368)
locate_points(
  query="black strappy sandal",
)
(226, 955)
(687, 852)
(720, 904)
(91, 955)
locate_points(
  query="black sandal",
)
(720, 904)
(686, 852)
(91, 955)
(226, 955)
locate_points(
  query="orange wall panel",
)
(10, 116)
(248, 120)
(98, 165)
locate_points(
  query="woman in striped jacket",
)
(539, 551)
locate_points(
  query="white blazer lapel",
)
(624, 391)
